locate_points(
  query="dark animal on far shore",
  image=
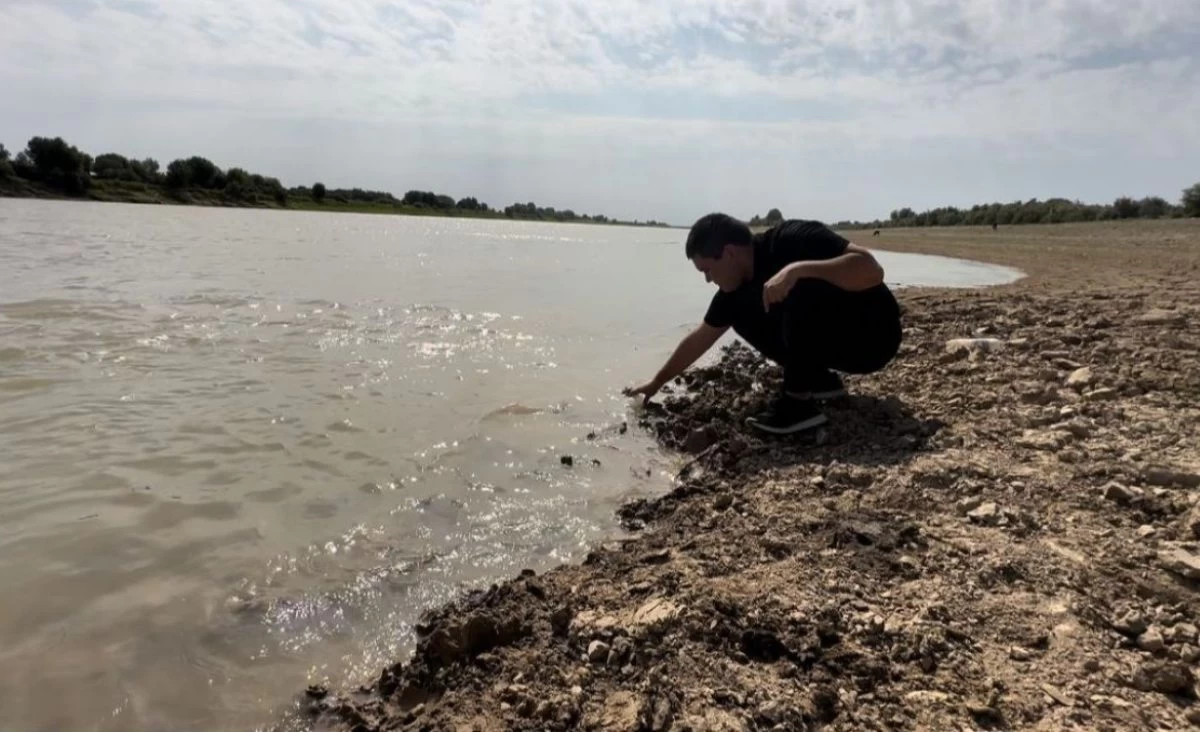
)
(993, 226)
(876, 233)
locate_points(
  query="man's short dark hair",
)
(712, 232)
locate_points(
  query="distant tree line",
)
(772, 218)
(1033, 211)
(62, 167)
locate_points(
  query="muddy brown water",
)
(240, 451)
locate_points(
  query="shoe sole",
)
(791, 429)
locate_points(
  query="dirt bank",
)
(1000, 533)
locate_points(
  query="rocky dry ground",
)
(994, 533)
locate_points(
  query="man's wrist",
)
(798, 271)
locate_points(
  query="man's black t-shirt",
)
(774, 249)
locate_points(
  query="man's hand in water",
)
(646, 390)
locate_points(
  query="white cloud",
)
(466, 93)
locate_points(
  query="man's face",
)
(721, 271)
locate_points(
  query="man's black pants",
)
(821, 327)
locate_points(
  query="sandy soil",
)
(991, 534)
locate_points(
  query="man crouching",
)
(800, 294)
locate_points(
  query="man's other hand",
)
(778, 287)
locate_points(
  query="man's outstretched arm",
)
(693, 346)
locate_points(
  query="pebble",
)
(1180, 562)
(1183, 633)
(1017, 653)
(1121, 493)
(986, 514)
(1167, 477)
(1131, 623)
(1101, 395)
(1158, 316)
(1078, 427)
(1189, 653)
(698, 441)
(597, 651)
(1151, 641)
(968, 505)
(1146, 531)
(622, 648)
(1080, 377)
(973, 345)
(1162, 676)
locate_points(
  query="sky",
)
(826, 109)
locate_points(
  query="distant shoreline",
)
(102, 191)
(52, 168)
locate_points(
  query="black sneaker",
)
(827, 385)
(788, 415)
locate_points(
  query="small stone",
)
(1131, 623)
(1193, 716)
(1182, 633)
(987, 514)
(527, 707)
(1158, 316)
(723, 501)
(622, 648)
(973, 346)
(1168, 477)
(1109, 702)
(1057, 695)
(1180, 562)
(1017, 653)
(1101, 395)
(1151, 641)
(1091, 666)
(1037, 440)
(566, 460)
(1164, 677)
(1146, 531)
(655, 611)
(1079, 427)
(1120, 493)
(926, 696)
(697, 441)
(597, 651)
(660, 556)
(1189, 653)
(967, 505)
(1080, 377)
(770, 712)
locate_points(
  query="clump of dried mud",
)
(996, 533)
